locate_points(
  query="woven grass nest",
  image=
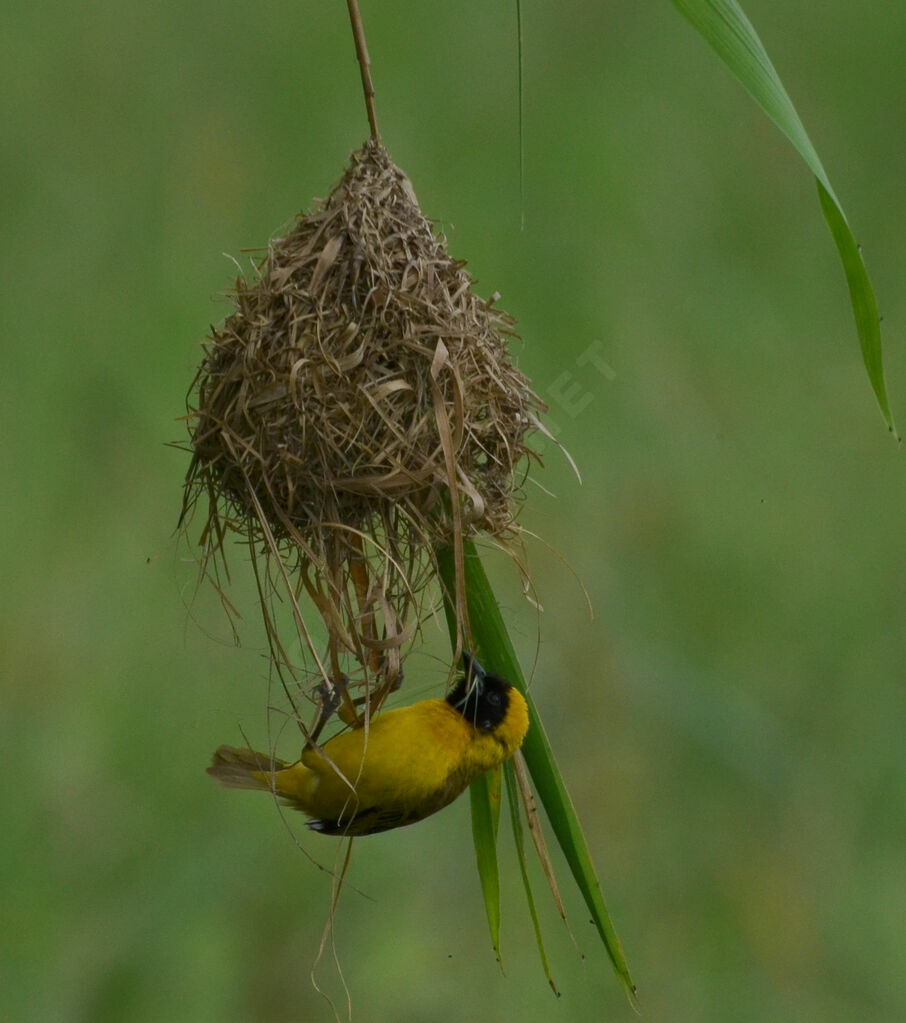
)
(357, 409)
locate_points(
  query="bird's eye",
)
(493, 699)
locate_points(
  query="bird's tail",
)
(244, 768)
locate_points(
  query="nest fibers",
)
(358, 409)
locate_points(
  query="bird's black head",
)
(481, 698)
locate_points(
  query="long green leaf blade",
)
(484, 794)
(484, 799)
(495, 648)
(565, 823)
(726, 29)
(519, 841)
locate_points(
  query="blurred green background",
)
(730, 723)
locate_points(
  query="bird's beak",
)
(475, 674)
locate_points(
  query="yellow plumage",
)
(407, 764)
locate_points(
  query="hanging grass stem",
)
(361, 50)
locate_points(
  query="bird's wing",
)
(370, 821)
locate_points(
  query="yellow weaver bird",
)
(407, 764)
